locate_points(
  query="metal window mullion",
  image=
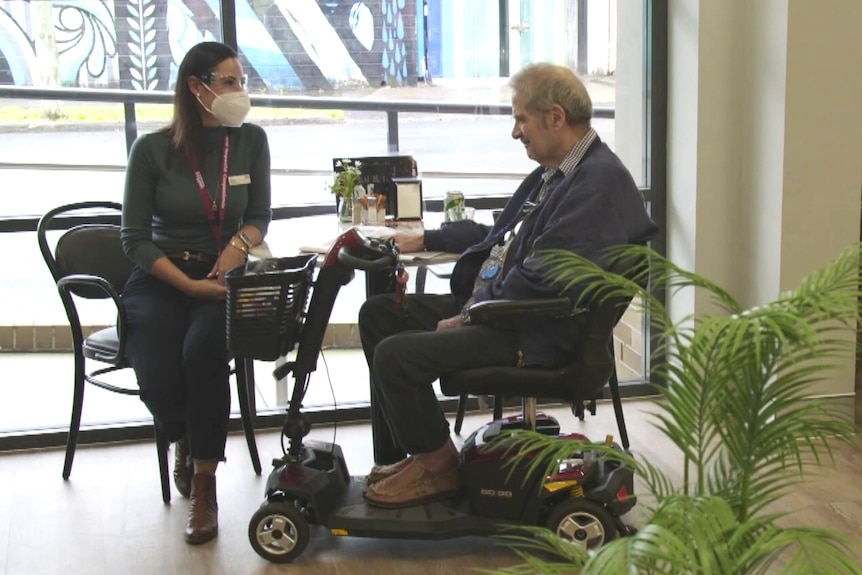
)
(392, 131)
(228, 23)
(130, 125)
(656, 114)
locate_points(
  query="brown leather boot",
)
(203, 510)
(183, 467)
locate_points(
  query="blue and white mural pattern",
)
(285, 45)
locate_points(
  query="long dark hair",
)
(186, 127)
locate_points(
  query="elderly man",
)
(581, 198)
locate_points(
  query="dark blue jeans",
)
(407, 356)
(177, 347)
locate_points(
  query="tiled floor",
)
(109, 518)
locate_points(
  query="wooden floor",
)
(109, 518)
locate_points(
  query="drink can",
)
(453, 206)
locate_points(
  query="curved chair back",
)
(580, 380)
(93, 250)
(89, 248)
(595, 361)
(88, 261)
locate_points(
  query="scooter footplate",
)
(441, 519)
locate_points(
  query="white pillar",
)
(629, 89)
(764, 144)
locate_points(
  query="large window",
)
(329, 79)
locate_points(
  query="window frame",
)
(655, 193)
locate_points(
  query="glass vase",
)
(345, 209)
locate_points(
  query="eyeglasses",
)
(225, 79)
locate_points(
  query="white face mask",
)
(230, 109)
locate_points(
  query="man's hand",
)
(409, 241)
(206, 289)
(450, 323)
(402, 276)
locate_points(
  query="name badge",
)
(490, 272)
(239, 180)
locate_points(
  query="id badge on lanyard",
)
(215, 210)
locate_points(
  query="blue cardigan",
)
(595, 207)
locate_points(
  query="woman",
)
(197, 198)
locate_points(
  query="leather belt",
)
(188, 256)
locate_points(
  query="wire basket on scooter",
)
(266, 302)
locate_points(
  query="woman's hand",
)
(229, 258)
(206, 289)
(168, 272)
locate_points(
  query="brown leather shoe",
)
(381, 472)
(203, 510)
(414, 485)
(183, 467)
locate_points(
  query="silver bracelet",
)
(245, 239)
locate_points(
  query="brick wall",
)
(44, 338)
(628, 344)
(628, 340)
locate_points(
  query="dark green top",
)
(163, 211)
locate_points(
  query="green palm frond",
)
(656, 481)
(737, 403)
(812, 551)
(569, 269)
(540, 454)
(701, 536)
(528, 541)
(680, 537)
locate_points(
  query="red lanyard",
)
(215, 212)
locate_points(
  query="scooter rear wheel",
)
(278, 532)
(582, 522)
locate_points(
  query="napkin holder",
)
(405, 199)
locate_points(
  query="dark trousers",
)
(177, 347)
(406, 355)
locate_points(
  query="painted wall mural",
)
(286, 46)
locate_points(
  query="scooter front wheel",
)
(582, 522)
(278, 532)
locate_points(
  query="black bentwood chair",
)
(578, 382)
(88, 262)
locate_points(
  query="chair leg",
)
(528, 408)
(421, 274)
(498, 407)
(459, 414)
(162, 448)
(245, 393)
(578, 409)
(77, 407)
(614, 384)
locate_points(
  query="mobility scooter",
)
(277, 304)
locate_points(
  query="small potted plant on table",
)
(346, 186)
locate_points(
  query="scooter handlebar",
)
(355, 250)
(381, 263)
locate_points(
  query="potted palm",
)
(736, 404)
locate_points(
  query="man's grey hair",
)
(543, 85)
